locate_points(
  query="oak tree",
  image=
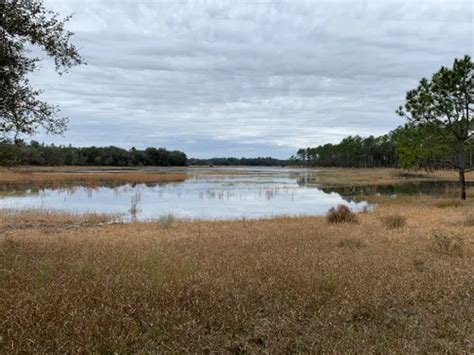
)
(25, 24)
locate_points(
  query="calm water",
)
(229, 193)
(252, 193)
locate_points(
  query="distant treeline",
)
(35, 153)
(382, 151)
(260, 161)
(353, 151)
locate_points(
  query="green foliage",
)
(440, 116)
(352, 151)
(8, 153)
(422, 146)
(35, 153)
(260, 161)
(24, 24)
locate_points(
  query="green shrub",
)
(341, 214)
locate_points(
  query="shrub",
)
(341, 214)
(447, 245)
(167, 221)
(395, 221)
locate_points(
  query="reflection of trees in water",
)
(71, 188)
(407, 188)
(223, 194)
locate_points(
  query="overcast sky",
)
(247, 78)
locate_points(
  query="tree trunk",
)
(462, 181)
(462, 168)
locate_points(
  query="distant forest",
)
(35, 153)
(404, 143)
(353, 151)
(260, 161)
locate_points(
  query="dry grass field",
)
(400, 280)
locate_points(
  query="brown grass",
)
(58, 177)
(280, 285)
(357, 177)
(395, 221)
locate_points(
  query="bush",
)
(394, 222)
(341, 214)
(447, 245)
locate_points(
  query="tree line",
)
(352, 151)
(260, 161)
(34, 153)
(405, 147)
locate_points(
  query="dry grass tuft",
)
(448, 245)
(449, 203)
(469, 221)
(394, 222)
(341, 214)
(351, 243)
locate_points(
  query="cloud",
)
(247, 78)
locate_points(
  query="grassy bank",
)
(62, 176)
(355, 177)
(399, 280)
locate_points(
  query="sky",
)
(247, 78)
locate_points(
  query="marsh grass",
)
(394, 222)
(449, 203)
(469, 220)
(351, 243)
(59, 178)
(444, 244)
(81, 284)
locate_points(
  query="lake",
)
(227, 193)
(210, 193)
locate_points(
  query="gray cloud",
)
(247, 78)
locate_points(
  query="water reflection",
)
(204, 197)
(434, 187)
